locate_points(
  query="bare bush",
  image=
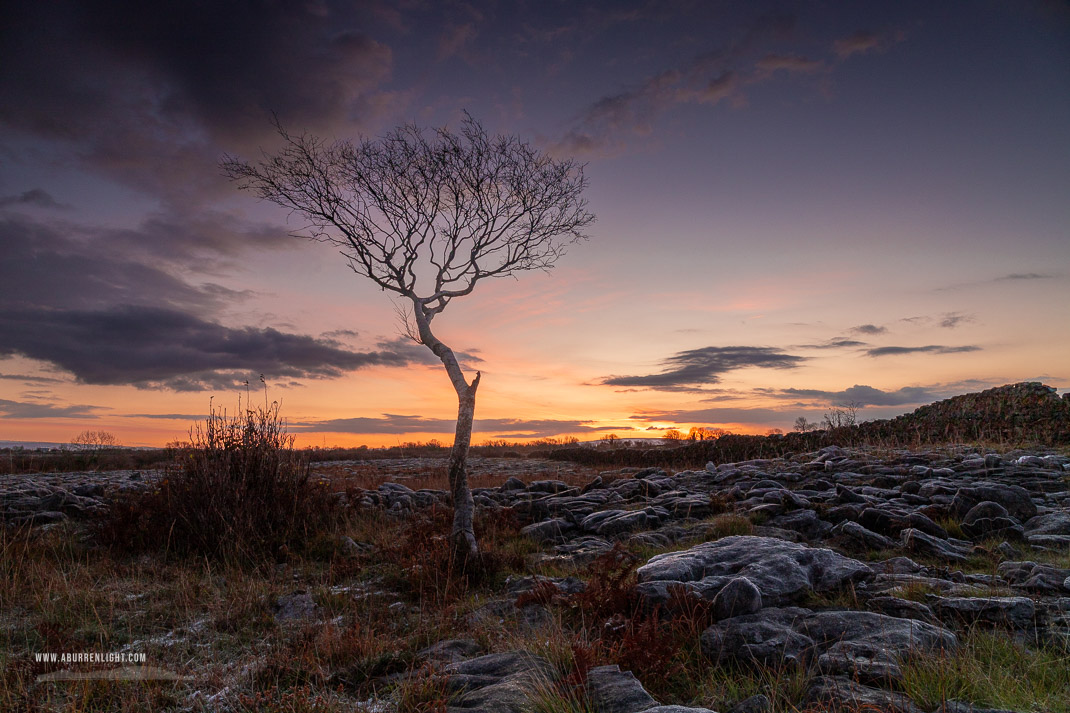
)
(238, 489)
(94, 441)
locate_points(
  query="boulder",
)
(496, 683)
(738, 597)
(781, 571)
(614, 691)
(1016, 612)
(552, 530)
(990, 519)
(805, 522)
(1014, 498)
(1053, 523)
(611, 522)
(917, 542)
(862, 536)
(852, 696)
(868, 646)
(768, 638)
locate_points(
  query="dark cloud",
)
(835, 344)
(155, 347)
(226, 63)
(1024, 276)
(419, 354)
(868, 329)
(50, 268)
(21, 409)
(35, 197)
(121, 81)
(867, 395)
(518, 428)
(492, 427)
(204, 240)
(711, 416)
(31, 379)
(705, 366)
(340, 333)
(1011, 277)
(954, 319)
(929, 349)
(106, 317)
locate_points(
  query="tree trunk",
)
(463, 536)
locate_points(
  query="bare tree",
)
(94, 441)
(842, 415)
(703, 433)
(427, 215)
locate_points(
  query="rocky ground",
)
(849, 564)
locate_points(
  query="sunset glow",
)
(860, 204)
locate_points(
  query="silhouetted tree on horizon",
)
(426, 218)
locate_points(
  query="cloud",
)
(711, 77)
(121, 80)
(788, 63)
(226, 63)
(389, 424)
(930, 349)
(834, 344)
(1014, 276)
(1011, 277)
(31, 379)
(36, 197)
(954, 319)
(110, 318)
(706, 78)
(74, 267)
(21, 409)
(154, 347)
(711, 416)
(419, 354)
(202, 241)
(860, 42)
(867, 395)
(868, 329)
(866, 42)
(705, 366)
(337, 333)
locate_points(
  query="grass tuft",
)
(991, 670)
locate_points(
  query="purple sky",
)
(798, 204)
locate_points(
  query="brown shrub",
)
(239, 490)
(610, 588)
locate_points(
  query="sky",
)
(798, 205)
